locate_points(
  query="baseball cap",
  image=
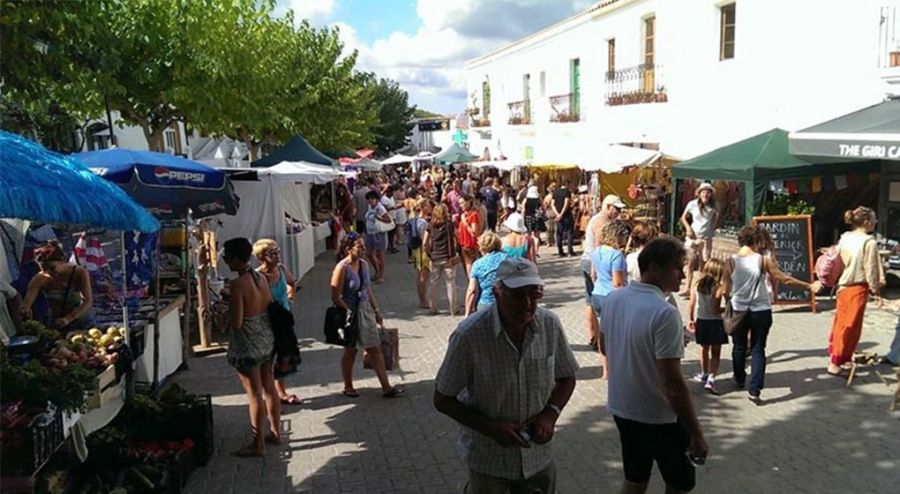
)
(516, 272)
(614, 200)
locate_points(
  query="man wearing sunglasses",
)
(507, 375)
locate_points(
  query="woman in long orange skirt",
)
(863, 274)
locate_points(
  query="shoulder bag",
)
(732, 319)
(287, 351)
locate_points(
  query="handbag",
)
(390, 348)
(340, 329)
(382, 227)
(734, 320)
(287, 351)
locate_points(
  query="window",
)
(486, 99)
(726, 39)
(649, 54)
(543, 83)
(610, 58)
(526, 87)
(170, 140)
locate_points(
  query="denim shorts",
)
(597, 303)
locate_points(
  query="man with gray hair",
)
(507, 375)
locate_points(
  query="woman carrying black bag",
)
(351, 290)
(281, 284)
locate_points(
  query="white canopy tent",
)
(502, 165)
(283, 189)
(398, 159)
(615, 157)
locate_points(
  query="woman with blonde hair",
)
(484, 272)
(608, 268)
(863, 274)
(705, 316)
(282, 286)
(440, 245)
(551, 215)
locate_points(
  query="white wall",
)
(797, 63)
(132, 137)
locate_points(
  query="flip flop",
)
(248, 452)
(839, 373)
(291, 400)
(351, 393)
(395, 392)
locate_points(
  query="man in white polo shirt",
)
(642, 339)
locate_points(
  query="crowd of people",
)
(509, 392)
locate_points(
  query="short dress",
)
(252, 345)
(355, 294)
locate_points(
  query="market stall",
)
(277, 205)
(178, 191)
(52, 382)
(869, 134)
(759, 176)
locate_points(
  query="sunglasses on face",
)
(273, 252)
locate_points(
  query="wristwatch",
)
(553, 408)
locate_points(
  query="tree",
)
(394, 113)
(420, 113)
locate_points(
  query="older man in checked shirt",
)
(507, 375)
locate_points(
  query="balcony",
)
(565, 108)
(635, 85)
(481, 122)
(520, 112)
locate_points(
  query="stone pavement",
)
(811, 433)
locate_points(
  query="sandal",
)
(271, 439)
(248, 452)
(395, 392)
(839, 373)
(291, 399)
(351, 393)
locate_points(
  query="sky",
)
(423, 44)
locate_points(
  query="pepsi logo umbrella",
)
(40, 185)
(167, 185)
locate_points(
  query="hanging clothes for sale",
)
(139, 261)
(88, 253)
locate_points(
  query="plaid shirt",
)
(484, 370)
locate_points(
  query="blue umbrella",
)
(167, 185)
(40, 185)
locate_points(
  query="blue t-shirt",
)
(484, 271)
(606, 260)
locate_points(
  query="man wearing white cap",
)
(507, 375)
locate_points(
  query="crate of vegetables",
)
(29, 438)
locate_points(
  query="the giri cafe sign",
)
(874, 151)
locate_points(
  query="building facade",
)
(683, 77)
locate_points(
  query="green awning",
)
(455, 154)
(867, 134)
(761, 157)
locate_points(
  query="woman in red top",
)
(469, 229)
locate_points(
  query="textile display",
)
(88, 253)
(139, 262)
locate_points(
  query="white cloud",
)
(429, 63)
(314, 10)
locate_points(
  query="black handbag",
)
(339, 328)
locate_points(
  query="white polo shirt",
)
(640, 327)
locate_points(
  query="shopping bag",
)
(390, 348)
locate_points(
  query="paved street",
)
(811, 434)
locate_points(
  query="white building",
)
(97, 137)
(432, 132)
(681, 76)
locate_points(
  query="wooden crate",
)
(104, 388)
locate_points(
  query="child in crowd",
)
(705, 315)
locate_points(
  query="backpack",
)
(830, 266)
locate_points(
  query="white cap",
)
(614, 200)
(705, 186)
(515, 223)
(516, 272)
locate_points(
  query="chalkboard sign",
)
(792, 236)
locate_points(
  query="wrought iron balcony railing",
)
(481, 122)
(520, 112)
(565, 108)
(633, 85)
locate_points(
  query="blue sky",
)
(423, 44)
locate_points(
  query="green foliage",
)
(36, 385)
(391, 103)
(420, 113)
(231, 68)
(787, 204)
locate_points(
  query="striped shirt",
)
(484, 370)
